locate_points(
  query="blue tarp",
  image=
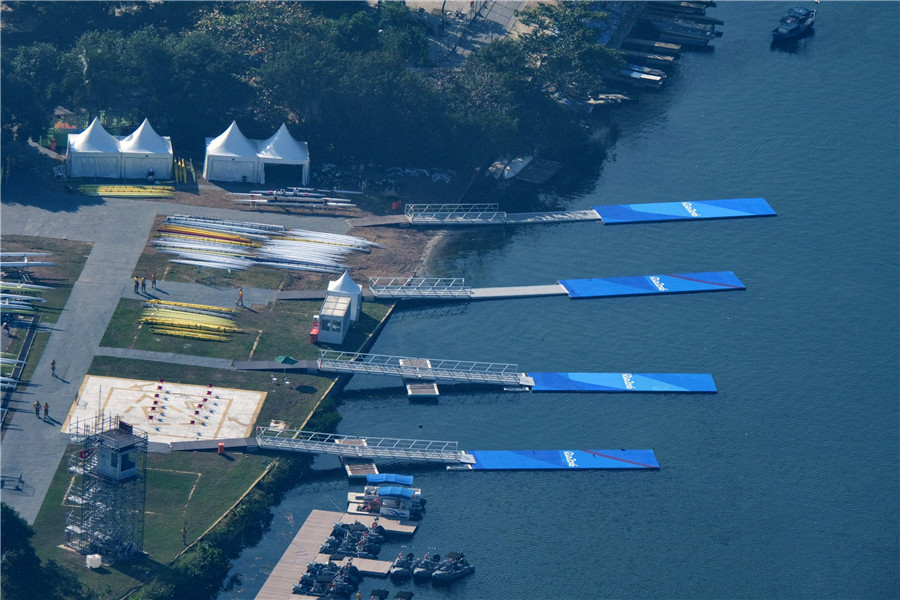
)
(715, 281)
(516, 460)
(623, 382)
(389, 478)
(678, 211)
(394, 491)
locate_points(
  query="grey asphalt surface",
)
(118, 228)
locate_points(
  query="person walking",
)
(136, 284)
(240, 300)
(184, 536)
(37, 409)
(143, 285)
(46, 410)
(52, 368)
(153, 281)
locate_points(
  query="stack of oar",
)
(195, 321)
(208, 242)
(184, 171)
(127, 191)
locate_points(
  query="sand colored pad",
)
(169, 412)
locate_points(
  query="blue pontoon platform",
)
(715, 281)
(623, 382)
(374, 478)
(682, 211)
(526, 460)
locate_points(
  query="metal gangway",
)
(414, 368)
(419, 287)
(365, 447)
(449, 214)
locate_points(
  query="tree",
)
(21, 574)
(563, 53)
(30, 89)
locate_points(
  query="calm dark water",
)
(785, 483)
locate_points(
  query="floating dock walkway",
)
(448, 453)
(417, 288)
(446, 215)
(509, 376)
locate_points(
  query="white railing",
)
(454, 213)
(359, 446)
(419, 287)
(415, 368)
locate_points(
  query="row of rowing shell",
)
(23, 260)
(237, 245)
(296, 196)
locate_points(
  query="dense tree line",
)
(352, 80)
(22, 574)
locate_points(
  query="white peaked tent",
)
(344, 286)
(231, 157)
(144, 151)
(93, 153)
(283, 149)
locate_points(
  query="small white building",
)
(334, 319)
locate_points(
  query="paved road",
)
(118, 229)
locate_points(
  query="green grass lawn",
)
(280, 328)
(186, 489)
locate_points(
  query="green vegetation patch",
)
(185, 489)
(280, 328)
(69, 257)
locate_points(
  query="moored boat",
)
(402, 568)
(795, 23)
(454, 566)
(424, 568)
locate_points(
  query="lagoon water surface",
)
(785, 483)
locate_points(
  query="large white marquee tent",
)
(233, 157)
(144, 151)
(96, 153)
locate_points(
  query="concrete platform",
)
(169, 412)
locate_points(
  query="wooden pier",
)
(304, 548)
(653, 46)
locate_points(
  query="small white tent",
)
(144, 151)
(283, 149)
(93, 153)
(231, 157)
(344, 286)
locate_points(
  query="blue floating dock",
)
(527, 460)
(623, 382)
(716, 281)
(682, 211)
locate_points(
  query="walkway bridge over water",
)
(427, 369)
(420, 287)
(362, 447)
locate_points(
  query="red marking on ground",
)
(620, 459)
(740, 287)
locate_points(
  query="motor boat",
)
(402, 568)
(453, 567)
(424, 568)
(795, 23)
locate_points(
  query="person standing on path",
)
(46, 411)
(240, 300)
(153, 281)
(52, 368)
(136, 283)
(37, 409)
(184, 536)
(143, 285)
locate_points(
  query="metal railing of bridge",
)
(454, 213)
(440, 370)
(419, 287)
(311, 442)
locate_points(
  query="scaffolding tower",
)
(108, 489)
